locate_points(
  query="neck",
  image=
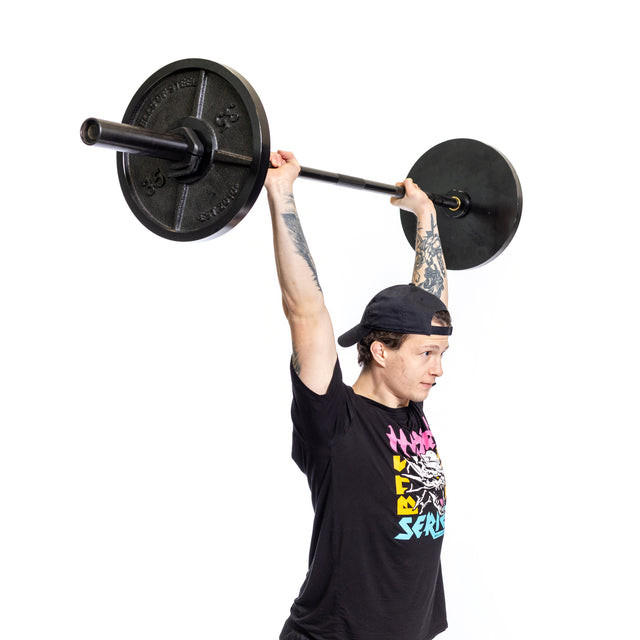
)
(370, 386)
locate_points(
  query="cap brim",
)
(353, 336)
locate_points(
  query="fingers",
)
(280, 158)
(287, 156)
(276, 159)
(414, 199)
(283, 168)
(411, 187)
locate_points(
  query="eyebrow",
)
(433, 347)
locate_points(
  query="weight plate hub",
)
(493, 187)
(225, 112)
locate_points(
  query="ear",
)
(379, 352)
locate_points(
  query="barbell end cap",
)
(463, 204)
(90, 131)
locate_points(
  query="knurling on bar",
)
(342, 180)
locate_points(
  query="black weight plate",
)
(222, 103)
(496, 200)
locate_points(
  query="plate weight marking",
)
(227, 117)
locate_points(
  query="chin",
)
(416, 395)
(422, 395)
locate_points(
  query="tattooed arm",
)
(429, 269)
(314, 350)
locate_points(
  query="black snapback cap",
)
(403, 308)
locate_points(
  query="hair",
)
(392, 339)
(443, 317)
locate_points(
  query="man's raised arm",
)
(314, 350)
(429, 269)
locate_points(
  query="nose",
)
(436, 367)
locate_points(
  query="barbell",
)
(193, 153)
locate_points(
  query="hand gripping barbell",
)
(193, 154)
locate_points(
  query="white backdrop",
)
(146, 485)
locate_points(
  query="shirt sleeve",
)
(317, 418)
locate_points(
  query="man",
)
(376, 481)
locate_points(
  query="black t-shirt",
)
(378, 493)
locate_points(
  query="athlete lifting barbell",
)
(193, 157)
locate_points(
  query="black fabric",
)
(403, 308)
(377, 489)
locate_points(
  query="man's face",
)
(411, 370)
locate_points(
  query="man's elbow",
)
(304, 308)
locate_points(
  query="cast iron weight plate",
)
(494, 189)
(219, 103)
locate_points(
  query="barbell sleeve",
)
(131, 139)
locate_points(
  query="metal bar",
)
(133, 139)
(227, 157)
(172, 146)
(379, 187)
(350, 181)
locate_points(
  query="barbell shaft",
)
(173, 146)
(351, 181)
(368, 185)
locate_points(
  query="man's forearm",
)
(296, 270)
(429, 270)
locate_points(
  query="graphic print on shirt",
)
(419, 483)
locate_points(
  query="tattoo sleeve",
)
(294, 228)
(429, 271)
(295, 361)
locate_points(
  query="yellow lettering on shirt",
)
(399, 465)
(400, 488)
(406, 506)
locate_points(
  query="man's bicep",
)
(314, 350)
